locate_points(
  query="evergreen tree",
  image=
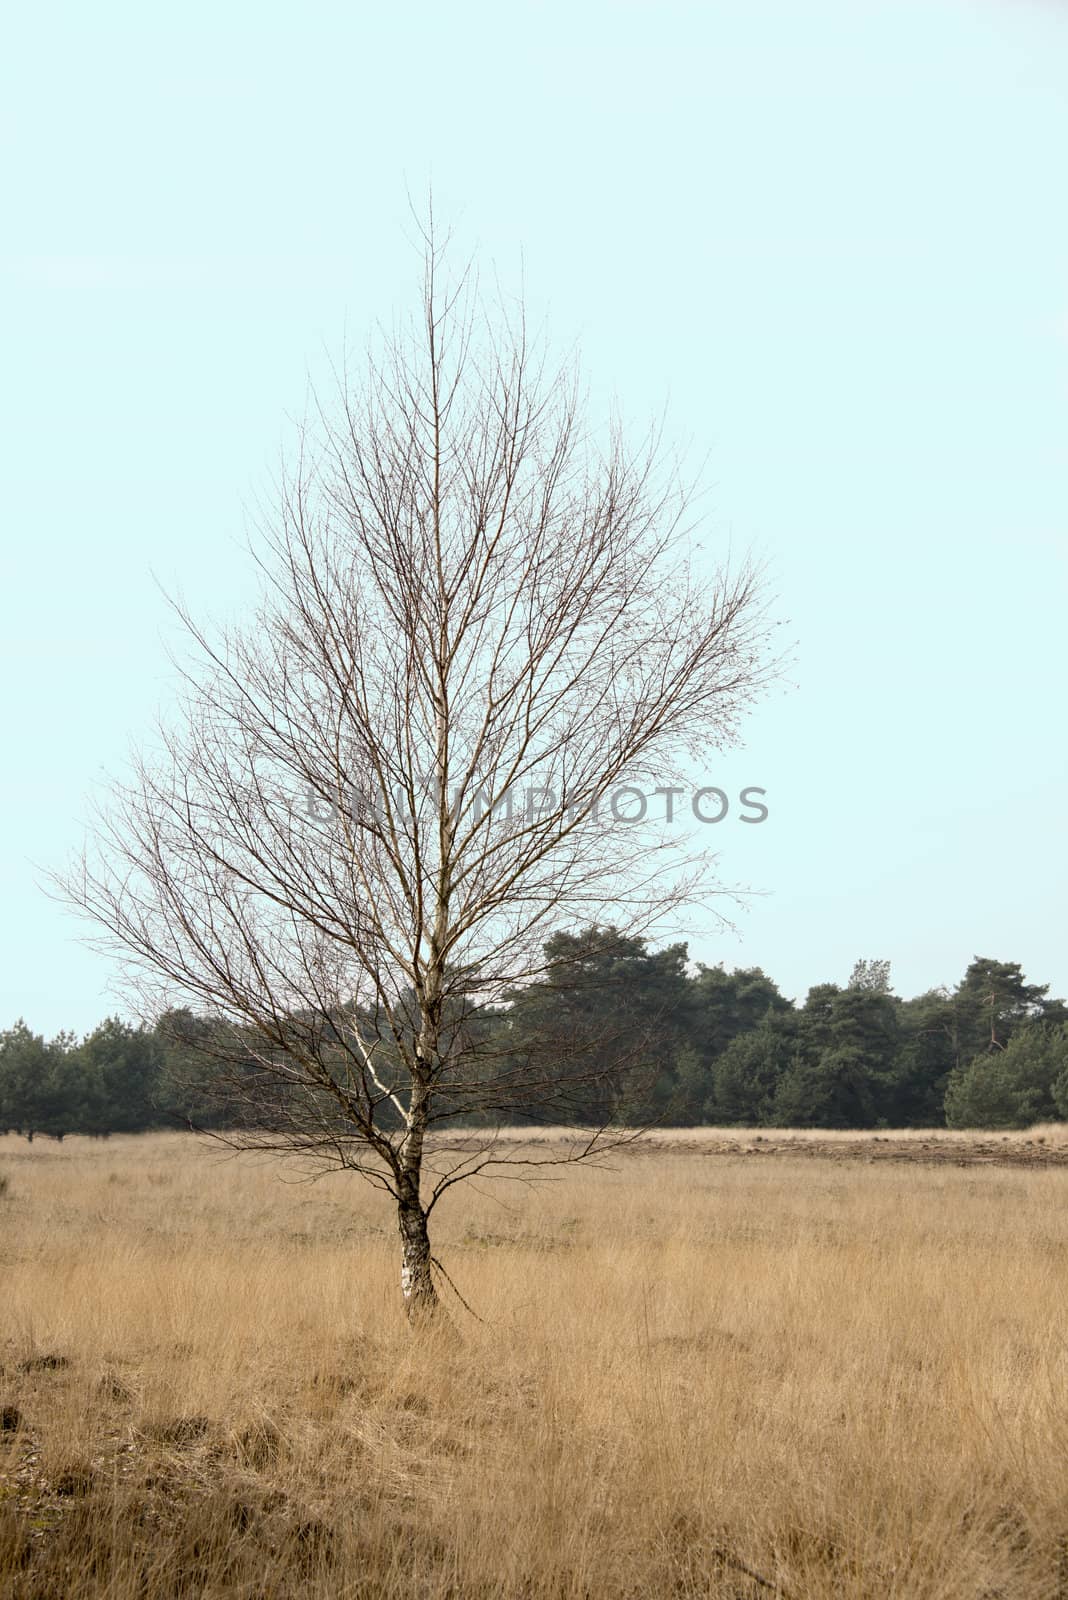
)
(727, 1004)
(1024, 1083)
(41, 1088)
(924, 1060)
(608, 1015)
(842, 1073)
(120, 1067)
(635, 1037)
(992, 1000)
(745, 1078)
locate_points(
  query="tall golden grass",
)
(696, 1375)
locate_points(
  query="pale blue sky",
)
(833, 237)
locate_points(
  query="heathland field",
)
(721, 1366)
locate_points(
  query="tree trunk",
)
(417, 1286)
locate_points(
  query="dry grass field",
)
(723, 1366)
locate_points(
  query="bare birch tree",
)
(479, 619)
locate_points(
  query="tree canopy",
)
(612, 1029)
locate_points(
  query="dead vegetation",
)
(697, 1374)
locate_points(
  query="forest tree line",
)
(658, 1043)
